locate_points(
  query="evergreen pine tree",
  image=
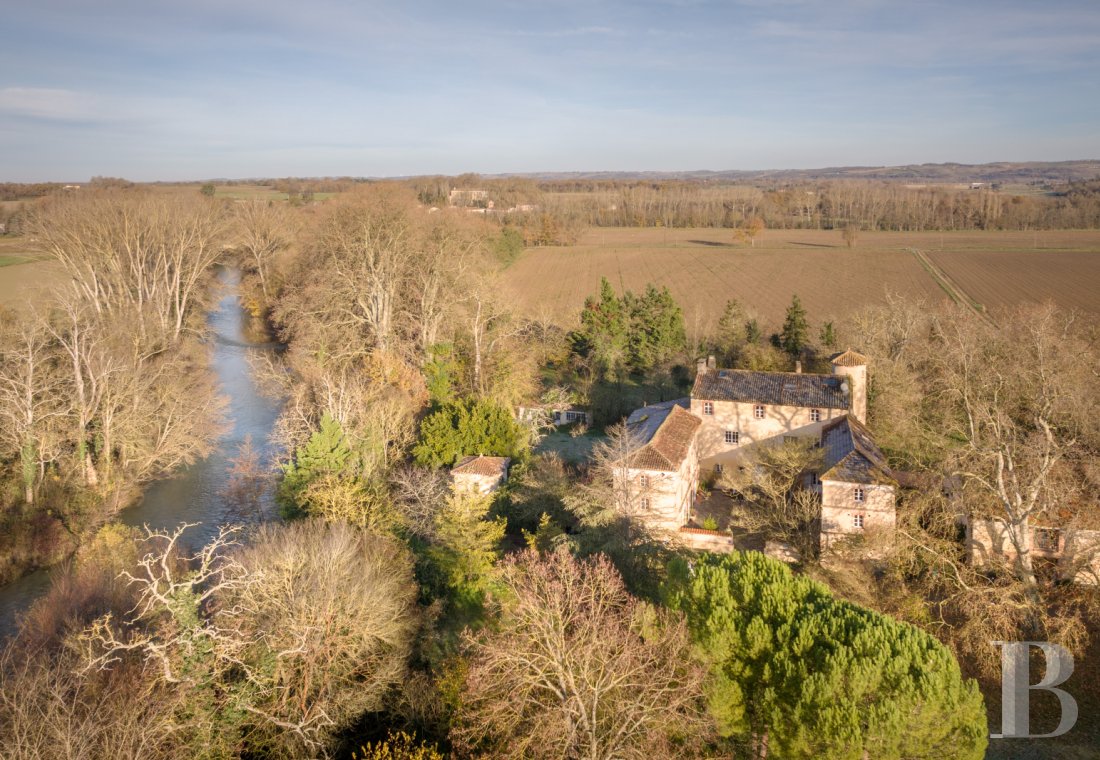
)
(795, 334)
(732, 333)
(468, 427)
(753, 332)
(807, 675)
(604, 329)
(325, 453)
(465, 548)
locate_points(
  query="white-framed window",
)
(815, 415)
(708, 407)
(718, 468)
(733, 437)
(643, 481)
(645, 503)
(857, 521)
(859, 495)
(759, 411)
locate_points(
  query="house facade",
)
(858, 489)
(740, 408)
(659, 478)
(734, 410)
(480, 474)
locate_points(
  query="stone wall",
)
(1077, 554)
(739, 416)
(839, 509)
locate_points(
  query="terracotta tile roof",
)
(479, 465)
(668, 431)
(775, 388)
(851, 455)
(848, 358)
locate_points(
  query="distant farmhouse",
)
(468, 198)
(730, 411)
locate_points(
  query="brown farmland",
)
(703, 268)
(1063, 267)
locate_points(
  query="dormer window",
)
(708, 407)
(758, 411)
(858, 495)
(815, 415)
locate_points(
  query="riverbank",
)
(33, 538)
(196, 493)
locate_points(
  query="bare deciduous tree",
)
(285, 639)
(773, 499)
(1022, 402)
(31, 394)
(148, 251)
(263, 232)
(577, 668)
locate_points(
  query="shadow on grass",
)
(712, 243)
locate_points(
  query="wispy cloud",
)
(48, 103)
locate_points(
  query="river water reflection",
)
(195, 494)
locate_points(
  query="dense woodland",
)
(384, 616)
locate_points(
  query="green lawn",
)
(570, 449)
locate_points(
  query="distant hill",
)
(1004, 171)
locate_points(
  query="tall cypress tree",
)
(795, 334)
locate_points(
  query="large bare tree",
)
(1023, 404)
(577, 668)
(123, 248)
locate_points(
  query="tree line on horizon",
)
(385, 615)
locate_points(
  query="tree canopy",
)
(796, 330)
(469, 427)
(806, 675)
(634, 333)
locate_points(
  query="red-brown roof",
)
(480, 465)
(848, 358)
(666, 449)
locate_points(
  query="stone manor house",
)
(731, 410)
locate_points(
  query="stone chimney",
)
(711, 363)
(701, 367)
(853, 366)
(798, 366)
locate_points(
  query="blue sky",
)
(193, 89)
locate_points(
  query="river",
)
(194, 494)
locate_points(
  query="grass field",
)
(703, 268)
(23, 278)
